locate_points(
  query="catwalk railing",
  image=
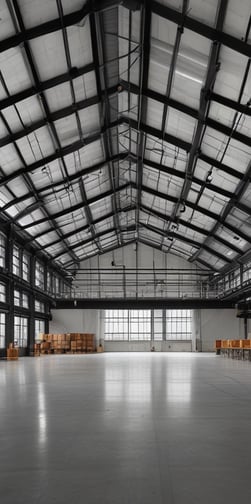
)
(126, 283)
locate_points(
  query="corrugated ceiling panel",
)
(219, 177)
(85, 86)
(14, 70)
(167, 154)
(49, 54)
(35, 12)
(240, 220)
(101, 207)
(163, 38)
(154, 113)
(79, 41)
(36, 146)
(9, 159)
(129, 66)
(7, 27)
(232, 69)
(59, 96)
(237, 18)
(180, 125)
(96, 183)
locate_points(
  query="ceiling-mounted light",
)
(182, 207)
(209, 177)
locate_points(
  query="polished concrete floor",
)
(125, 429)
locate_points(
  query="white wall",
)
(208, 326)
(83, 321)
(219, 324)
(146, 346)
(129, 258)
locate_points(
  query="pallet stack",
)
(237, 349)
(68, 342)
(12, 352)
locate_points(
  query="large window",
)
(2, 330)
(39, 275)
(16, 260)
(2, 292)
(21, 299)
(39, 306)
(20, 331)
(39, 328)
(178, 325)
(157, 325)
(2, 250)
(25, 266)
(124, 325)
(140, 325)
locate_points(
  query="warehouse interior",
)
(125, 251)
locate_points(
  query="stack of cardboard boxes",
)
(68, 342)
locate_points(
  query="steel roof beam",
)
(78, 206)
(182, 238)
(18, 21)
(234, 202)
(107, 249)
(75, 146)
(97, 37)
(84, 228)
(48, 190)
(145, 31)
(164, 11)
(199, 209)
(82, 243)
(191, 226)
(95, 100)
(74, 73)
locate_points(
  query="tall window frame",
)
(21, 331)
(148, 325)
(2, 329)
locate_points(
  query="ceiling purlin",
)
(171, 74)
(227, 102)
(88, 215)
(98, 57)
(33, 192)
(194, 243)
(245, 180)
(87, 210)
(69, 264)
(153, 192)
(78, 206)
(213, 67)
(191, 226)
(74, 73)
(64, 183)
(132, 88)
(145, 30)
(84, 228)
(164, 11)
(47, 112)
(89, 241)
(201, 210)
(233, 202)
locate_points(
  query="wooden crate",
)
(12, 353)
(246, 343)
(235, 343)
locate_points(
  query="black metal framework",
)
(136, 156)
